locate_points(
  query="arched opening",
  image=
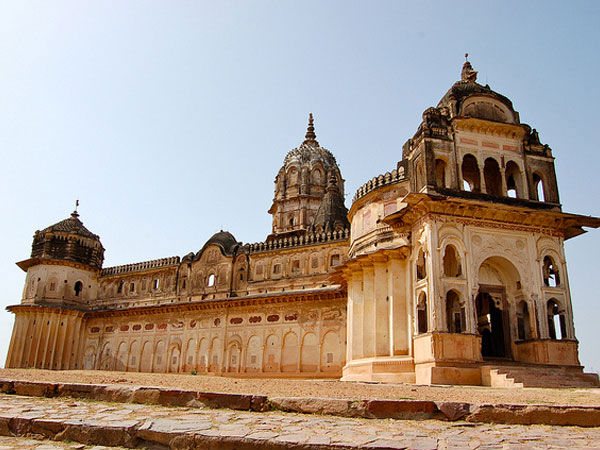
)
(523, 327)
(421, 270)
(120, 288)
(455, 312)
(211, 280)
(470, 174)
(422, 325)
(557, 325)
(451, 262)
(513, 180)
(440, 173)
(550, 271)
(538, 188)
(493, 179)
(499, 281)
(78, 288)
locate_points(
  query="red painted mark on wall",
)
(489, 144)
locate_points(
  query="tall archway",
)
(499, 282)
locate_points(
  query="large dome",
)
(68, 240)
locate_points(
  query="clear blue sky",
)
(169, 120)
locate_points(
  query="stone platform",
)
(160, 427)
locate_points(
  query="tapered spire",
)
(311, 137)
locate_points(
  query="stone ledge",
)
(583, 416)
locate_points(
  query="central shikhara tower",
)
(449, 269)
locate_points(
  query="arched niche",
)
(441, 178)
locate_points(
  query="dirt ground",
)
(274, 387)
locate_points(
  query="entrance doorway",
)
(492, 322)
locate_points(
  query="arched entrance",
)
(499, 282)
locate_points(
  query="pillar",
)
(369, 324)
(381, 302)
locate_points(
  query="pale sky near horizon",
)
(170, 119)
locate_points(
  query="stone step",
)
(515, 376)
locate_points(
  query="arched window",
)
(556, 321)
(523, 328)
(493, 179)
(78, 288)
(421, 269)
(513, 180)
(470, 174)
(120, 288)
(550, 271)
(211, 280)
(291, 222)
(538, 188)
(440, 173)
(451, 262)
(422, 313)
(455, 313)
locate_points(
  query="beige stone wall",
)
(253, 338)
(55, 284)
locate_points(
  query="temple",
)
(449, 269)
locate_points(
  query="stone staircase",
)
(533, 375)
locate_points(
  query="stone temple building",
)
(449, 269)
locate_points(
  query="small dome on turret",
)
(467, 98)
(68, 240)
(224, 240)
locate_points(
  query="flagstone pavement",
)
(79, 422)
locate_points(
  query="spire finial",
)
(75, 214)
(468, 74)
(311, 137)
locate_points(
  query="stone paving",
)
(21, 443)
(136, 425)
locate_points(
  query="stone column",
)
(15, 342)
(369, 310)
(39, 333)
(381, 302)
(399, 311)
(355, 316)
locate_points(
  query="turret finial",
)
(75, 214)
(468, 74)
(311, 137)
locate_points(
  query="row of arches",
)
(288, 353)
(452, 266)
(498, 183)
